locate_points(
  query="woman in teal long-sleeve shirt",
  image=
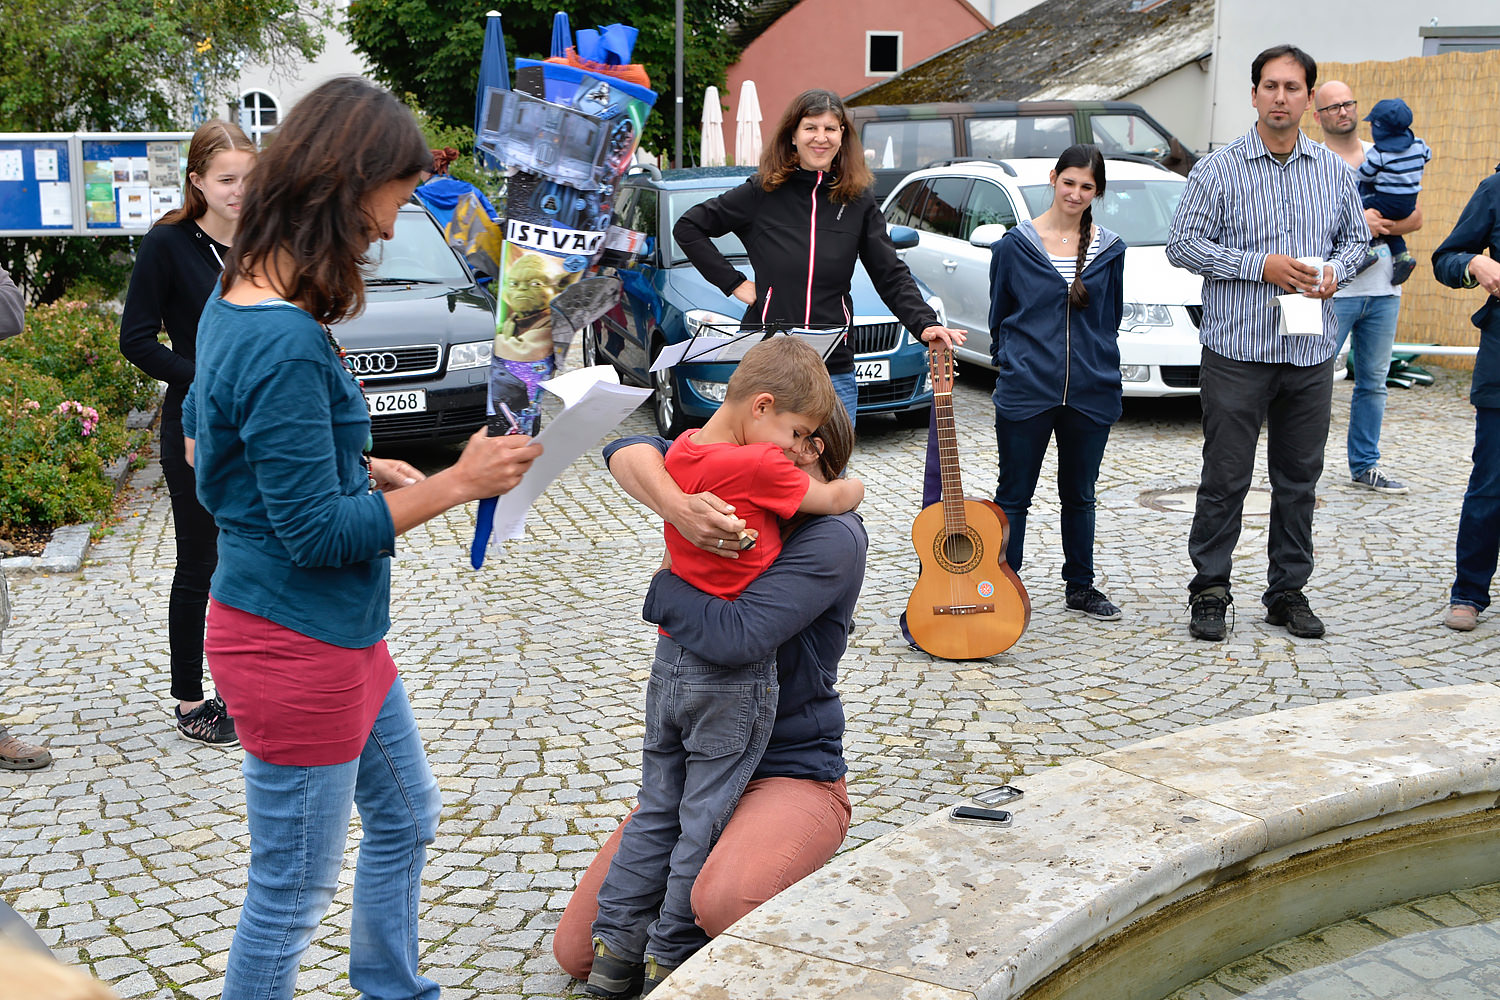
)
(308, 522)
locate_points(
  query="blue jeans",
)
(299, 825)
(1080, 449)
(848, 392)
(1394, 207)
(1479, 523)
(1368, 322)
(706, 728)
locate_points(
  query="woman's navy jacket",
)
(1477, 230)
(1048, 352)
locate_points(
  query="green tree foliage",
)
(128, 65)
(432, 49)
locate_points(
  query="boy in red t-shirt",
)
(707, 724)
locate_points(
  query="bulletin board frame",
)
(56, 184)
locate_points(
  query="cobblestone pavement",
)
(129, 853)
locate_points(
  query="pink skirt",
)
(295, 700)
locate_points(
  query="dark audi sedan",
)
(422, 345)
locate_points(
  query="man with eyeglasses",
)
(1367, 307)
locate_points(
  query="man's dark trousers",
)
(1237, 398)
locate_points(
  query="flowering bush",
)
(64, 395)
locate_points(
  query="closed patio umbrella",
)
(493, 72)
(711, 142)
(747, 126)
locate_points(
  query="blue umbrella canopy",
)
(493, 71)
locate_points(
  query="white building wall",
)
(287, 85)
(1333, 30)
(1178, 100)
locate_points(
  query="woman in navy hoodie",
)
(1056, 300)
(804, 218)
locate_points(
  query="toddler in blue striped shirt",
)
(1391, 177)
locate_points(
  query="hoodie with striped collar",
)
(1048, 352)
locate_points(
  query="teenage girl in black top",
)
(176, 268)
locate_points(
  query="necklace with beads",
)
(344, 363)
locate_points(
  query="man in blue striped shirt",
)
(1250, 209)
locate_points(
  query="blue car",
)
(665, 300)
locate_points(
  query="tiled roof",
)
(1060, 50)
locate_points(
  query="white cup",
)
(1316, 263)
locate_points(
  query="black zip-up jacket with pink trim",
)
(802, 248)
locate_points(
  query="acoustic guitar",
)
(967, 603)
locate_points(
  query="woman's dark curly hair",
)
(303, 220)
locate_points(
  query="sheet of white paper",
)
(706, 347)
(46, 164)
(599, 403)
(10, 165)
(1300, 316)
(56, 203)
(135, 205)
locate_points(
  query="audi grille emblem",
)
(374, 363)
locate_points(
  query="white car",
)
(961, 207)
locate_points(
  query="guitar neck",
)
(953, 487)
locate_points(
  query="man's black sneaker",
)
(655, 973)
(1206, 614)
(1092, 603)
(611, 976)
(1290, 608)
(208, 723)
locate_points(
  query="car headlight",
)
(1135, 373)
(1141, 314)
(936, 304)
(715, 391)
(474, 355)
(697, 319)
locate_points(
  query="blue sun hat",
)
(1390, 125)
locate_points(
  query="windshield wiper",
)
(404, 281)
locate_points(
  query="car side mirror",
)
(987, 235)
(904, 237)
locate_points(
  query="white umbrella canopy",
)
(747, 126)
(711, 144)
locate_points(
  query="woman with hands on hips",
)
(804, 218)
(300, 602)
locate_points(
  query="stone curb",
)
(69, 544)
(937, 911)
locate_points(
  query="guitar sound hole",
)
(959, 552)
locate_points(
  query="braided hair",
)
(1089, 157)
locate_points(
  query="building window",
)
(258, 114)
(1437, 40)
(882, 53)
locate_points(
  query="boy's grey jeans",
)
(707, 726)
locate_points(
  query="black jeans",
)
(1080, 449)
(1294, 404)
(197, 555)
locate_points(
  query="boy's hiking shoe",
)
(1206, 614)
(611, 976)
(655, 973)
(1402, 265)
(208, 723)
(1290, 608)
